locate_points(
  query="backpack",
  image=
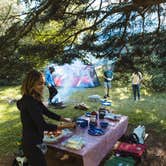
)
(140, 132)
(131, 138)
(20, 161)
(134, 150)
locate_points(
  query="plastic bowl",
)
(82, 123)
(104, 124)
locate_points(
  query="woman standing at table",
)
(31, 112)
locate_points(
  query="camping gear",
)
(42, 147)
(120, 161)
(58, 105)
(76, 75)
(138, 136)
(51, 136)
(95, 131)
(54, 136)
(131, 138)
(113, 117)
(93, 118)
(102, 111)
(104, 124)
(140, 132)
(81, 106)
(105, 103)
(87, 114)
(127, 149)
(96, 147)
(75, 142)
(82, 122)
(94, 98)
(101, 114)
(20, 159)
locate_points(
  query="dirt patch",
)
(6, 160)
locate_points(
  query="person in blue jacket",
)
(33, 123)
(51, 85)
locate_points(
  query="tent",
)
(83, 76)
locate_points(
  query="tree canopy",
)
(42, 30)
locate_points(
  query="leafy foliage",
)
(61, 30)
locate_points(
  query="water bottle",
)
(93, 118)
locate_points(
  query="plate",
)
(54, 136)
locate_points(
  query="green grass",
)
(150, 111)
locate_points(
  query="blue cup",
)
(104, 124)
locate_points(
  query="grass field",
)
(150, 111)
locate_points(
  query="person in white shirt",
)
(136, 81)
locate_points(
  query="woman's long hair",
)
(29, 82)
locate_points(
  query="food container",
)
(104, 124)
(93, 118)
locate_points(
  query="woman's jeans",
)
(136, 91)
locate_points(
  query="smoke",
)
(73, 77)
(106, 63)
(77, 76)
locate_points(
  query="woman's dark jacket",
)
(33, 122)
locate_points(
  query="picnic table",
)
(96, 147)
